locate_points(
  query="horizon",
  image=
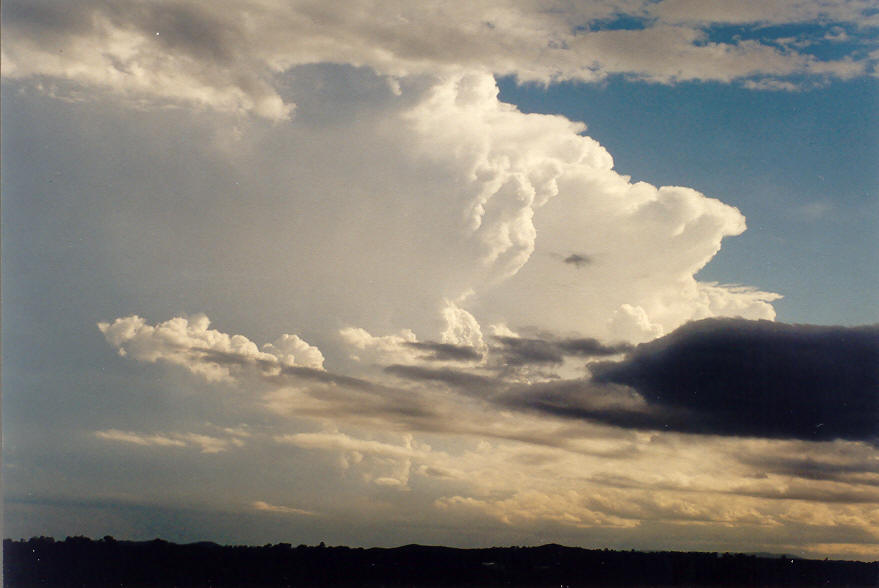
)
(502, 273)
(322, 544)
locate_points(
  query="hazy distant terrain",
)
(80, 561)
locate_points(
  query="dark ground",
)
(82, 562)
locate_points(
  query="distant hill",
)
(83, 562)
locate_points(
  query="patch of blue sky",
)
(620, 22)
(641, 122)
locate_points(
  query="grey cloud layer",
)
(523, 351)
(574, 452)
(445, 351)
(716, 376)
(225, 55)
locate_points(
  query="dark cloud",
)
(325, 377)
(810, 493)
(518, 351)
(729, 377)
(445, 351)
(344, 398)
(228, 358)
(39, 18)
(180, 29)
(577, 399)
(863, 471)
(591, 347)
(463, 381)
(759, 378)
(342, 395)
(578, 260)
(185, 29)
(605, 403)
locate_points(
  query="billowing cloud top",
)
(204, 351)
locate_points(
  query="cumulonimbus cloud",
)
(530, 188)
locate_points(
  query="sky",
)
(486, 273)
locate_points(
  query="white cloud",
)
(529, 505)
(286, 510)
(122, 49)
(771, 84)
(631, 323)
(386, 349)
(206, 352)
(508, 162)
(641, 479)
(462, 328)
(291, 350)
(207, 443)
(348, 444)
(140, 439)
(388, 464)
(667, 54)
(534, 190)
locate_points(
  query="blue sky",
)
(375, 275)
(800, 166)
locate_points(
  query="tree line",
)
(85, 563)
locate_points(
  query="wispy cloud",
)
(206, 443)
(285, 510)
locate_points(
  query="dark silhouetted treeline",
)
(82, 562)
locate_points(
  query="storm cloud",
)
(445, 351)
(727, 377)
(518, 351)
(760, 378)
